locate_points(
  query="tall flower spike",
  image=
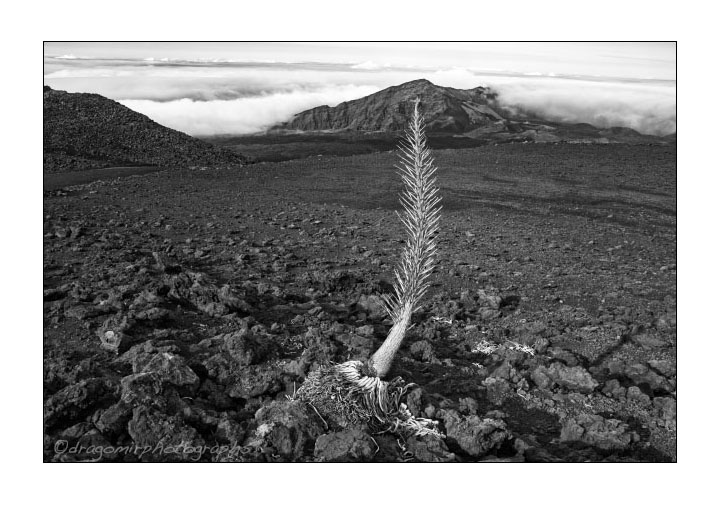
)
(420, 217)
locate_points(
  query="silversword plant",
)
(354, 391)
(420, 216)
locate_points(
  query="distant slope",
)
(84, 131)
(445, 109)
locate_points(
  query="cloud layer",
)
(204, 98)
(647, 108)
(242, 115)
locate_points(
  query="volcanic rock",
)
(140, 355)
(634, 393)
(75, 400)
(667, 410)
(230, 431)
(252, 381)
(82, 442)
(347, 445)
(595, 430)
(640, 374)
(113, 420)
(373, 305)
(141, 388)
(430, 450)
(423, 351)
(172, 369)
(167, 438)
(114, 334)
(195, 289)
(361, 346)
(614, 389)
(491, 301)
(474, 435)
(575, 378)
(497, 389)
(244, 347)
(286, 426)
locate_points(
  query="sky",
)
(244, 88)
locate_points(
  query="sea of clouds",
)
(231, 97)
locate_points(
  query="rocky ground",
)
(183, 307)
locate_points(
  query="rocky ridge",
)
(86, 131)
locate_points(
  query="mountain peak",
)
(445, 110)
(417, 82)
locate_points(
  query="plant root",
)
(347, 396)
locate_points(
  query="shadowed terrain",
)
(182, 306)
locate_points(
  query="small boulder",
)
(75, 401)
(368, 331)
(664, 367)
(244, 347)
(641, 374)
(114, 334)
(575, 378)
(498, 390)
(595, 430)
(468, 406)
(113, 420)
(416, 401)
(141, 388)
(360, 345)
(161, 437)
(140, 355)
(252, 381)
(430, 450)
(666, 409)
(423, 351)
(230, 431)
(474, 435)
(488, 314)
(288, 427)
(649, 341)
(372, 305)
(490, 301)
(83, 443)
(347, 445)
(614, 389)
(172, 369)
(634, 393)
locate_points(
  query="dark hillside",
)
(85, 131)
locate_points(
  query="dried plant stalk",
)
(420, 217)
